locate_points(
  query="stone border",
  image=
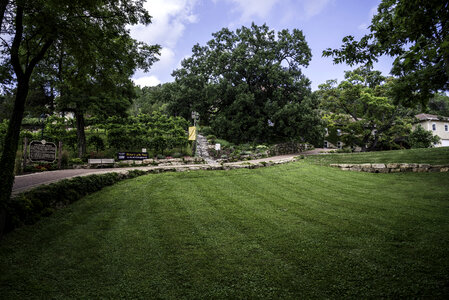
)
(392, 168)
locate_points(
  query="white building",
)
(437, 125)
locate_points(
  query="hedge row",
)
(28, 207)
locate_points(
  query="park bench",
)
(101, 161)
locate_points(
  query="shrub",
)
(28, 207)
(206, 130)
(421, 138)
(177, 155)
(97, 142)
(261, 148)
(64, 158)
(76, 161)
(211, 138)
(224, 144)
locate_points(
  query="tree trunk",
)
(9, 151)
(79, 116)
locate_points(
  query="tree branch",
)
(15, 61)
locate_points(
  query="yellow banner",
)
(192, 133)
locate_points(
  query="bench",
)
(101, 161)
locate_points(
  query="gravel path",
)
(201, 149)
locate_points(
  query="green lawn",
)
(293, 231)
(434, 156)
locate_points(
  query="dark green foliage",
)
(82, 45)
(249, 87)
(156, 131)
(151, 99)
(27, 208)
(3, 128)
(96, 141)
(439, 105)
(362, 109)
(416, 34)
(421, 138)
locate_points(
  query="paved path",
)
(26, 182)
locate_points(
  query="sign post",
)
(192, 130)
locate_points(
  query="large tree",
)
(248, 85)
(30, 28)
(415, 32)
(362, 109)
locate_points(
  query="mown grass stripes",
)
(291, 231)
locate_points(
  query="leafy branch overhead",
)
(415, 33)
(88, 41)
(362, 109)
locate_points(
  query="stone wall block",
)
(393, 166)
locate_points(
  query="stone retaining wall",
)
(288, 148)
(392, 167)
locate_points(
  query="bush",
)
(64, 158)
(97, 142)
(206, 130)
(28, 207)
(177, 155)
(421, 138)
(224, 144)
(211, 138)
(261, 148)
(76, 161)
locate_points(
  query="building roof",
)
(429, 117)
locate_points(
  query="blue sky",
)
(180, 24)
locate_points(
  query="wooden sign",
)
(42, 151)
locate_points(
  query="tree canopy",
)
(361, 107)
(248, 85)
(415, 32)
(34, 29)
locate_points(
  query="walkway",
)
(202, 149)
(29, 181)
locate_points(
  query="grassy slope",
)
(291, 231)
(429, 156)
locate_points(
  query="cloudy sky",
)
(179, 24)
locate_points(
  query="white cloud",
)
(166, 61)
(146, 81)
(363, 26)
(251, 9)
(170, 18)
(314, 7)
(169, 21)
